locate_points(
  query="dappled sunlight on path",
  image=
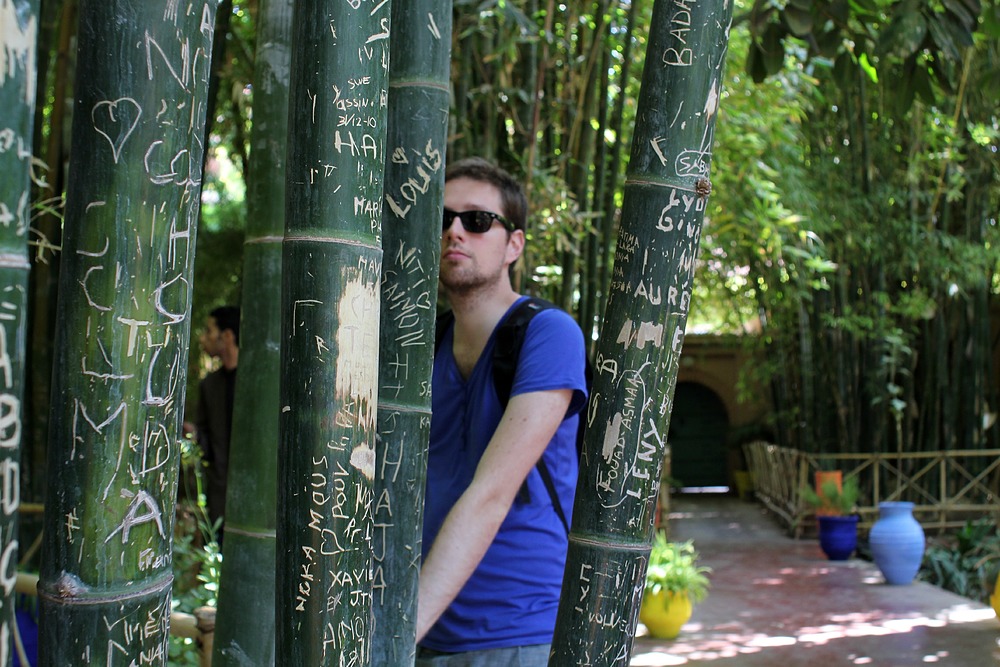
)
(778, 602)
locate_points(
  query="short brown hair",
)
(515, 203)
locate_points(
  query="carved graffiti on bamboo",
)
(608, 579)
(426, 164)
(338, 481)
(398, 431)
(679, 54)
(390, 454)
(131, 636)
(12, 144)
(334, 495)
(357, 358)
(631, 431)
(17, 60)
(116, 120)
(406, 294)
(10, 404)
(8, 579)
(10, 469)
(142, 509)
(375, 45)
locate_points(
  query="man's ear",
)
(228, 337)
(515, 245)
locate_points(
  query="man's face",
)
(211, 338)
(469, 260)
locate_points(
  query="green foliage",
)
(965, 563)
(855, 230)
(197, 560)
(917, 45)
(219, 265)
(831, 499)
(673, 566)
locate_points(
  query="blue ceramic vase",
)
(838, 536)
(897, 542)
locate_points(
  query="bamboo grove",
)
(851, 227)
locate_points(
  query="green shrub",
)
(197, 561)
(833, 500)
(673, 566)
(966, 562)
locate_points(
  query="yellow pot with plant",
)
(674, 581)
(995, 598)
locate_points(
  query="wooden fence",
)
(948, 488)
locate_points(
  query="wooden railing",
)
(947, 487)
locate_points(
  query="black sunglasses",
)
(476, 222)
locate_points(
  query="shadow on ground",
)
(778, 602)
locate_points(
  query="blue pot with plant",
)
(838, 524)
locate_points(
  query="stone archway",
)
(699, 424)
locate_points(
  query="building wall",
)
(715, 362)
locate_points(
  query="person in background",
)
(220, 339)
(494, 546)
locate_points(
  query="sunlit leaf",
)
(868, 68)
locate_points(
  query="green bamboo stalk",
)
(19, 19)
(614, 162)
(639, 348)
(244, 632)
(47, 228)
(123, 331)
(332, 261)
(411, 237)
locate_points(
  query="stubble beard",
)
(464, 282)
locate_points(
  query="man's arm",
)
(527, 426)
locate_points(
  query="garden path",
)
(777, 602)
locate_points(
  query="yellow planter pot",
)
(995, 598)
(663, 613)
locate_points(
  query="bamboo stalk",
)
(332, 265)
(639, 349)
(411, 227)
(17, 108)
(245, 631)
(123, 331)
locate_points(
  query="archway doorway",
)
(698, 427)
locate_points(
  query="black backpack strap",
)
(507, 347)
(550, 486)
(506, 353)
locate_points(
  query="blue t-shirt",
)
(512, 597)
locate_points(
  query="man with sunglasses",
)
(494, 545)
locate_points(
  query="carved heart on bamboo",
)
(115, 120)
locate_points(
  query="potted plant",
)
(838, 524)
(674, 581)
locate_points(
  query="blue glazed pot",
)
(838, 536)
(897, 542)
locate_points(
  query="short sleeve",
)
(553, 357)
